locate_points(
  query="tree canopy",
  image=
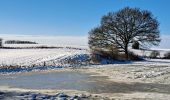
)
(122, 28)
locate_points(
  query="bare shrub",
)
(167, 55)
(154, 54)
(111, 53)
(134, 57)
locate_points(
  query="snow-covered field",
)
(61, 48)
(60, 57)
(37, 57)
(59, 41)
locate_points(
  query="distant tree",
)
(154, 54)
(135, 45)
(121, 28)
(19, 42)
(0, 42)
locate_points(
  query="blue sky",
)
(70, 17)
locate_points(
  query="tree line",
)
(19, 42)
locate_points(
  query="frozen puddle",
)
(78, 81)
(54, 80)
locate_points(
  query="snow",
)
(43, 40)
(50, 58)
(152, 68)
(36, 57)
(147, 53)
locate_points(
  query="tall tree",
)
(123, 27)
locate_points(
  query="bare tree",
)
(123, 27)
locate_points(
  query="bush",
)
(134, 57)
(154, 54)
(167, 55)
(135, 45)
(98, 55)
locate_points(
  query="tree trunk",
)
(126, 52)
